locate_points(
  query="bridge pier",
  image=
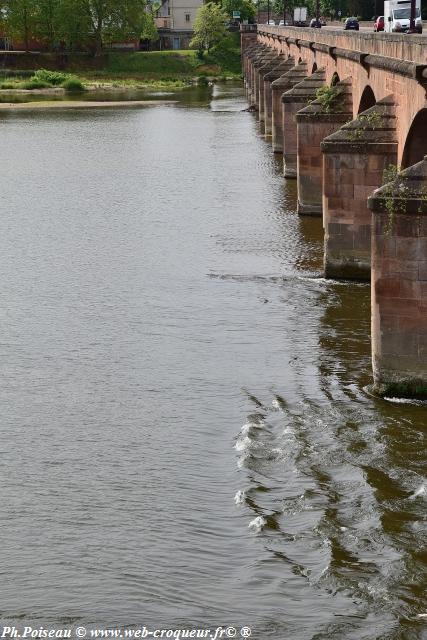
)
(269, 78)
(258, 64)
(399, 284)
(252, 82)
(247, 56)
(354, 160)
(292, 101)
(269, 66)
(315, 122)
(278, 88)
(252, 57)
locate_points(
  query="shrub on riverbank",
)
(53, 78)
(73, 85)
(43, 79)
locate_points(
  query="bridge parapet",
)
(391, 45)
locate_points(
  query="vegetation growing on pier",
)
(328, 98)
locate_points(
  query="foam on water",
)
(406, 401)
(248, 426)
(421, 491)
(243, 444)
(257, 524)
(242, 461)
(240, 497)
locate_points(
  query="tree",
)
(209, 26)
(104, 20)
(73, 26)
(246, 7)
(47, 20)
(20, 19)
(149, 30)
(77, 22)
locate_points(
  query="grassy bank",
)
(163, 69)
(223, 60)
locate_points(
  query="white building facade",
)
(174, 21)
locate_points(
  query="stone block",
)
(407, 249)
(422, 270)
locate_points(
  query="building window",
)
(187, 17)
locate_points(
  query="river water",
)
(187, 436)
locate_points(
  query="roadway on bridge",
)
(368, 29)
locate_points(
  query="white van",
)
(397, 16)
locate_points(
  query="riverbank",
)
(153, 69)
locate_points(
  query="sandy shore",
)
(81, 104)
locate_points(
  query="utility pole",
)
(317, 9)
(412, 18)
(284, 13)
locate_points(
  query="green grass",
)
(160, 63)
(33, 83)
(223, 60)
(9, 85)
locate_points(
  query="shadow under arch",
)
(314, 67)
(335, 79)
(416, 142)
(367, 100)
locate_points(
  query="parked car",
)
(315, 23)
(282, 23)
(379, 24)
(351, 24)
(271, 23)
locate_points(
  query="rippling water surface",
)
(186, 438)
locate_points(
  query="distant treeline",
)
(76, 24)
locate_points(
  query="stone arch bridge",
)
(348, 112)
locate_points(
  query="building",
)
(174, 21)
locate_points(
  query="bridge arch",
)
(416, 143)
(367, 100)
(314, 67)
(335, 79)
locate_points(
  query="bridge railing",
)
(248, 28)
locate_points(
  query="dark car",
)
(351, 23)
(315, 23)
(379, 24)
